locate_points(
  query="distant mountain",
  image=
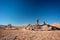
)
(2, 25)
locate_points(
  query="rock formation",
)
(44, 26)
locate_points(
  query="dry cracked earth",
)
(24, 34)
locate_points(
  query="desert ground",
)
(24, 34)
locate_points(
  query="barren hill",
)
(56, 24)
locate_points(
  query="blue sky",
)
(23, 12)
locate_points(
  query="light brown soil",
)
(24, 34)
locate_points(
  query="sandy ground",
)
(29, 35)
